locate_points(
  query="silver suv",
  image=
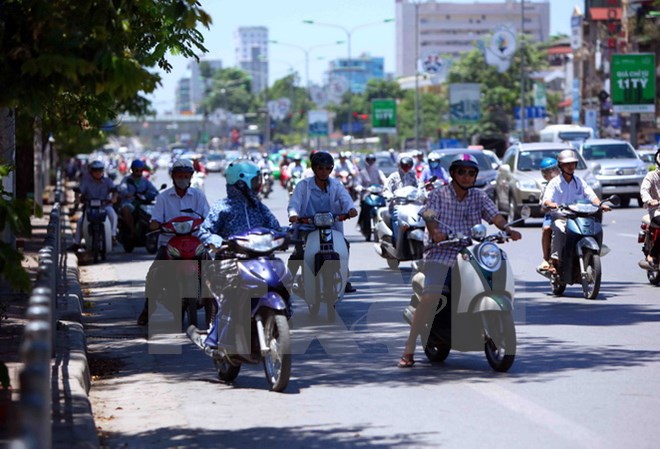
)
(617, 166)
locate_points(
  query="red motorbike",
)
(183, 279)
(649, 237)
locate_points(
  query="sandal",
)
(545, 265)
(406, 361)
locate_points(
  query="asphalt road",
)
(585, 373)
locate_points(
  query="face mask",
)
(182, 184)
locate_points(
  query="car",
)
(485, 178)
(617, 166)
(230, 156)
(519, 181)
(647, 155)
(494, 160)
(214, 162)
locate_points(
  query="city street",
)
(585, 373)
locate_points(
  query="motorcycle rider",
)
(459, 207)
(403, 177)
(265, 163)
(434, 169)
(369, 175)
(319, 194)
(239, 212)
(96, 186)
(420, 165)
(345, 163)
(566, 189)
(169, 204)
(296, 167)
(650, 194)
(549, 169)
(131, 186)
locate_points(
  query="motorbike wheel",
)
(277, 362)
(511, 215)
(392, 264)
(227, 371)
(366, 230)
(436, 350)
(654, 277)
(500, 335)
(126, 241)
(591, 281)
(152, 244)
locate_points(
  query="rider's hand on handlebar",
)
(293, 219)
(513, 234)
(352, 213)
(605, 207)
(438, 236)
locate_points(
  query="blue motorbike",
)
(251, 287)
(372, 201)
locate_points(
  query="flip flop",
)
(406, 361)
(545, 265)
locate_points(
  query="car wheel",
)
(512, 215)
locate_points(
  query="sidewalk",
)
(72, 419)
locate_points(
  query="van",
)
(571, 134)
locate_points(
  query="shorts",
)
(436, 276)
(547, 220)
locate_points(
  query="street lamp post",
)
(349, 33)
(416, 75)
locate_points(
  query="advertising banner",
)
(383, 116)
(464, 103)
(633, 82)
(318, 123)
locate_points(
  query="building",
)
(183, 102)
(252, 54)
(453, 28)
(357, 71)
(198, 84)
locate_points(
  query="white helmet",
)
(567, 156)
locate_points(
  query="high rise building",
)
(453, 28)
(198, 84)
(357, 71)
(183, 104)
(252, 54)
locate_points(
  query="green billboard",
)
(383, 116)
(633, 82)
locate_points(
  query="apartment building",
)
(453, 28)
(252, 54)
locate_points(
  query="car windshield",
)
(608, 151)
(531, 160)
(482, 160)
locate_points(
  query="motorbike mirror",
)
(614, 200)
(163, 186)
(525, 212)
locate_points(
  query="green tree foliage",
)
(230, 90)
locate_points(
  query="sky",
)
(284, 20)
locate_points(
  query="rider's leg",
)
(112, 215)
(558, 240)
(127, 215)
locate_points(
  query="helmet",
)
(96, 165)
(464, 160)
(345, 154)
(567, 156)
(137, 164)
(183, 166)
(322, 158)
(369, 158)
(406, 161)
(243, 170)
(657, 159)
(548, 163)
(434, 157)
(297, 157)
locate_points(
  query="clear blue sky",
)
(284, 20)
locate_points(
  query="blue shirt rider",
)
(434, 169)
(132, 187)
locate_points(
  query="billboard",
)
(383, 116)
(318, 123)
(633, 82)
(464, 103)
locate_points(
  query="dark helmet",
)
(137, 164)
(370, 158)
(464, 160)
(322, 158)
(657, 159)
(406, 161)
(96, 165)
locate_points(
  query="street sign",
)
(318, 123)
(531, 112)
(383, 116)
(464, 103)
(633, 82)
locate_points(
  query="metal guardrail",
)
(40, 333)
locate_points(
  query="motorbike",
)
(325, 263)
(267, 183)
(260, 293)
(476, 309)
(373, 200)
(579, 261)
(649, 236)
(141, 218)
(293, 181)
(189, 252)
(348, 181)
(410, 241)
(96, 229)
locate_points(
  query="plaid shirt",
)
(456, 215)
(399, 179)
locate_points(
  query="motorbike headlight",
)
(261, 243)
(183, 227)
(173, 252)
(200, 250)
(489, 256)
(413, 196)
(323, 220)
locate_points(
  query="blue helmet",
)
(243, 170)
(137, 164)
(96, 165)
(548, 163)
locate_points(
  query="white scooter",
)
(325, 263)
(96, 229)
(479, 316)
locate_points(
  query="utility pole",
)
(522, 70)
